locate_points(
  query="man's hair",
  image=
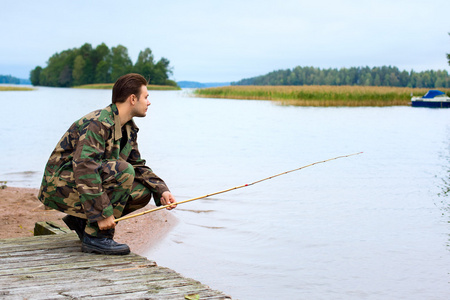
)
(127, 85)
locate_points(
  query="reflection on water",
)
(443, 199)
(22, 179)
(25, 174)
(445, 187)
(197, 211)
(444, 175)
(365, 227)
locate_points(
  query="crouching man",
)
(96, 174)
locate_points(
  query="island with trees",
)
(100, 65)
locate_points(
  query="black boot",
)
(76, 224)
(103, 244)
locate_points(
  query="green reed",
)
(15, 88)
(318, 95)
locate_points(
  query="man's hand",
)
(107, 223)
(167, 199)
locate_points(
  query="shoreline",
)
(318, 95)
(22, 209)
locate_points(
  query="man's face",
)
(140, 109)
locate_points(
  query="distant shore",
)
(15, 88)
(21, 210)
(319, 95)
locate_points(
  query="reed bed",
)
(315, 95)
(108, 86)
(15, 88)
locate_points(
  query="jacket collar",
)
(118, 126)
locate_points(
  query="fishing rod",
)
(231, 189)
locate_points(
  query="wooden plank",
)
(53, 267)
(49, 227)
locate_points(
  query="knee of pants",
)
(126, 174)
(119, 171)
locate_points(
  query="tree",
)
(78, 70)
(103, 72)
(102, 61)
(366, 79)
(9, 79)
(439, 83)
(34, 75)
(65, 77)
(88, 70)
(58, 66)
(417, 81)
(120, 62)
(377, 80)
(292, 79)
(162, 70)
(426, 80)
(448, 54)
(145, 65)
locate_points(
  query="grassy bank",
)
(15, 88)
(107, 86)
(318, 95)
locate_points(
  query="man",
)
(95, 173)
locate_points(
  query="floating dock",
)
(53, 267)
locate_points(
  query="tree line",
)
(364, 76)
(9, 79)
(87, 65)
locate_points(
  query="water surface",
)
(371, 226)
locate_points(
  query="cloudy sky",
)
(218, 41)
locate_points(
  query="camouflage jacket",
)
(78, 155)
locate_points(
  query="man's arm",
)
(147, 177)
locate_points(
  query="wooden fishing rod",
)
(231, 189)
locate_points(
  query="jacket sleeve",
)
(87, 166)
(145, 175)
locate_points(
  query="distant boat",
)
(433, 98)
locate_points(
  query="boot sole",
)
(92, 249)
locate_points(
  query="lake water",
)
(371, 226)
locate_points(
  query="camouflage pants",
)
(125, 193)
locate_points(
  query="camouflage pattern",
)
(91, 175)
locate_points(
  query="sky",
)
(223, 41)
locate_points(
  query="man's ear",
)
(132, 98)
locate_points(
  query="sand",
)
(21, 210)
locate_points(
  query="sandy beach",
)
(21, 210)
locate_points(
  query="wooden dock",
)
(53, 267)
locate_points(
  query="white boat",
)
(433, 98)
